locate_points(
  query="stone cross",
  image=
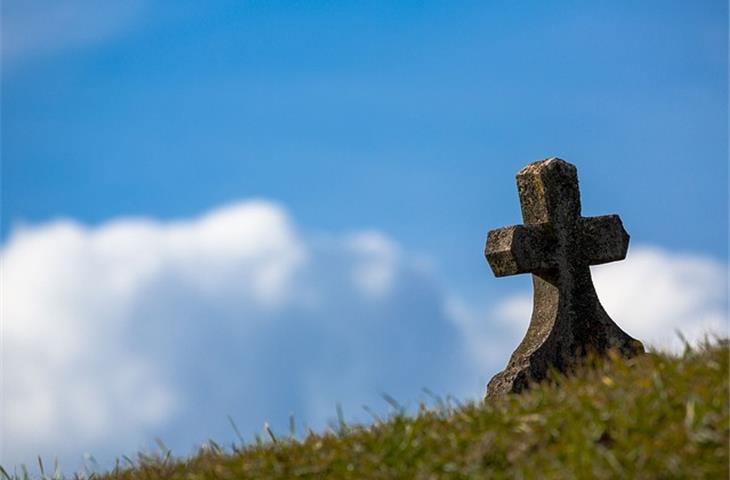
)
(557, 245)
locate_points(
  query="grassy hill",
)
(658, 416)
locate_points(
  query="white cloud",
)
(69, 297)
(136, 329)
(116, 334)
(654, 293)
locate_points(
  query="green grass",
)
(658, 416)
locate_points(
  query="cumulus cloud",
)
(117, 334)
(136, 329)
(72, 315)
(656, 293)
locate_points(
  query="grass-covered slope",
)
(654, 417)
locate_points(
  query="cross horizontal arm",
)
(603, 239)
(520, 249)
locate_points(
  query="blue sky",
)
(406, 121)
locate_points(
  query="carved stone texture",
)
(557, 246)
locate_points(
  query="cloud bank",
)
(136, 329)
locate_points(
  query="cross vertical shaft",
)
(557, 245)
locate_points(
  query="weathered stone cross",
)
(557, 246)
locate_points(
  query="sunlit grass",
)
(657, 416)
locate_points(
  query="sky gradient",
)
(348, 130)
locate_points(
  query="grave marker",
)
(557, 246)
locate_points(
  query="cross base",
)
(561, 334)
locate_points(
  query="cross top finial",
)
(549, 191)
(557, 245)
